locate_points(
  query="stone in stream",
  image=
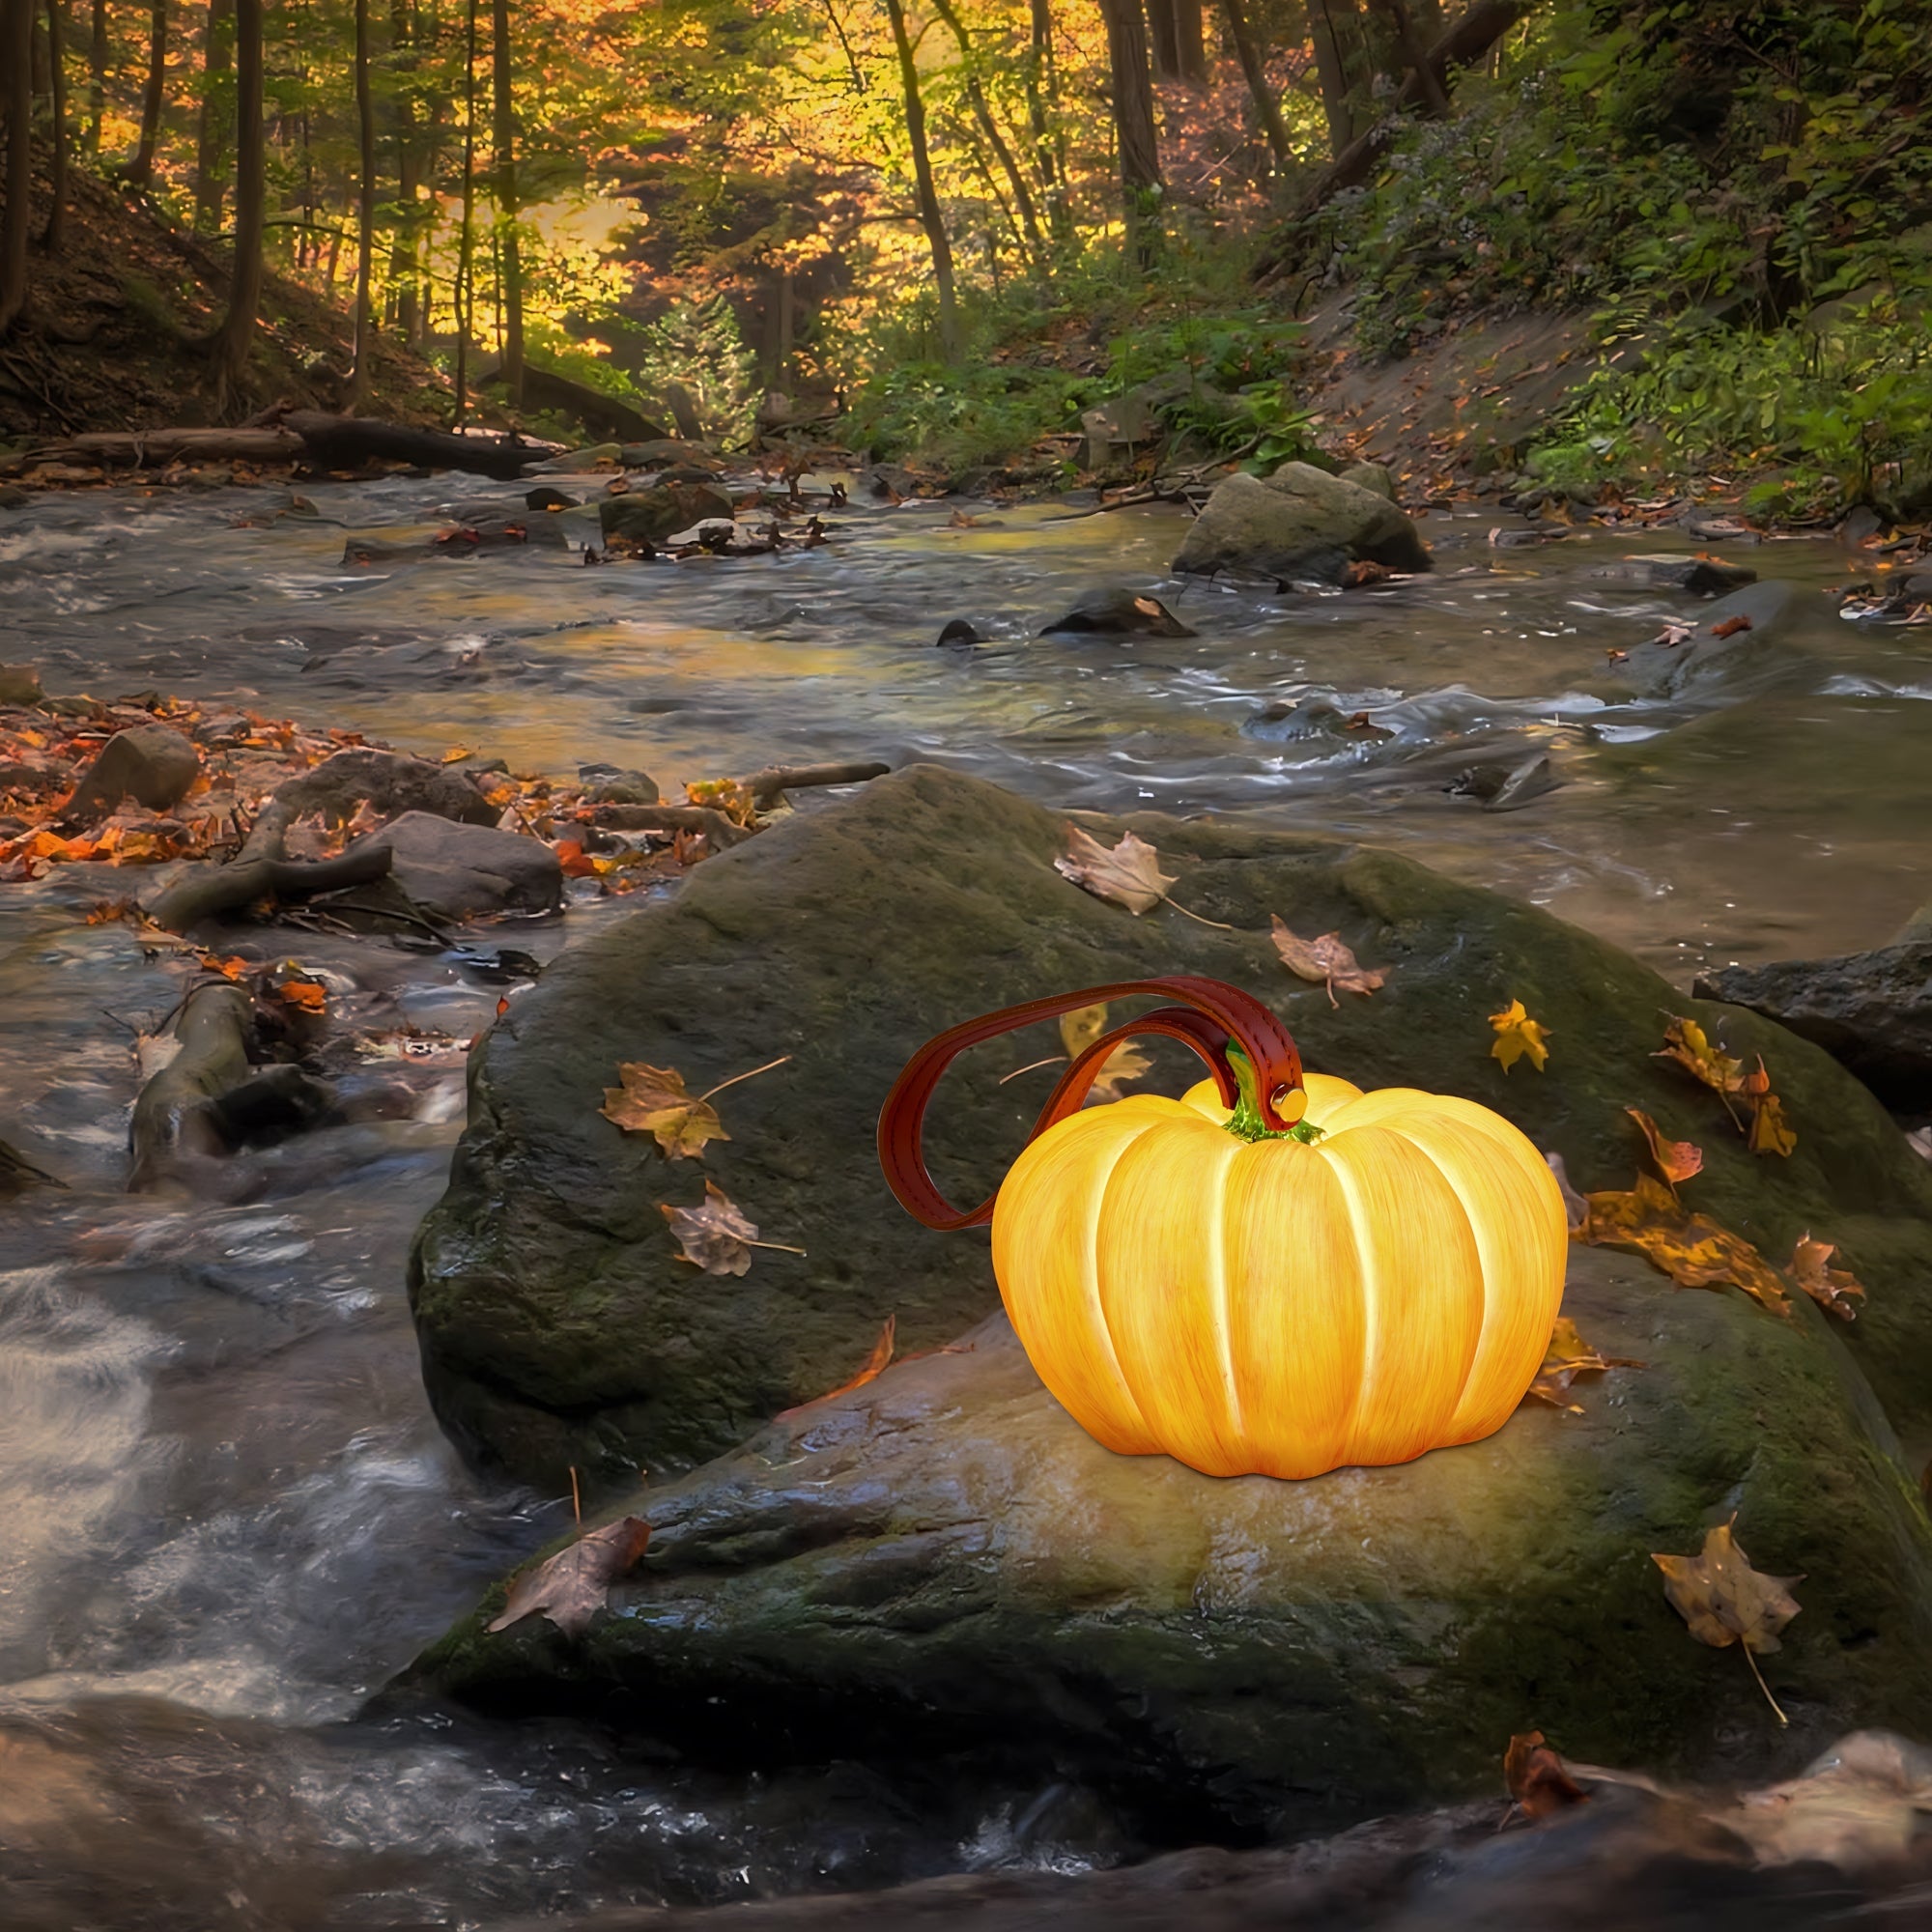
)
(1370, 476)
(546, 498)
(651, 514)
(1299, 513)
(1870, 1010)
(961, 631)
(1286, 721)
(944, 1560)
(389, 783)
(559, 1328)
(612, 784)
(1117, 613)
(19, 684)
(153, 764)
(453, 872)
(1695, 576)
(1733, 631)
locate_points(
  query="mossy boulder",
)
(941, 1562)
(559, 1326)
(1276, 525)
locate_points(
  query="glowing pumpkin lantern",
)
(1275, 1274)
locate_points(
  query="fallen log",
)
(348, 442)
(155, 449)
(210, 891)
(301, 436)
(175, 1121)
(771, 785)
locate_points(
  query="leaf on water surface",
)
(653, 1101)
(878, 1360)
(1325, 961)
(1538, 1778)
(1691, 1249)
(1128, 874)
(234, 967)
(1831, 1289)
(1676, 1160)
(572, 1587)
(714, 1236)
(1518, 1035)
(1567, 1357)
(306, 996)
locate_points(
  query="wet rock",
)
(19, 1176)
(1872, 1011)
(944, 1559)
(1370, 476)
(608, 784)
(153, 764)
(389, 783)
(1507, 787)
(1695, 576)
(545, 497)
(1119, 613)
(667, 452)
(14, 497)
(1734, 630)
(557, 1328)
(1284, 721)
(1275, 525)
(271, 1105)
(887, 483)
(961, 631)
(455, 872)
(651, 514)
(19, 684)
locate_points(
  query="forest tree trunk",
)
(466, 245)
(17, 96)
(511, 272)
(403, 272)
(140, 171)
(55, 232)
(930, 217)
(1141, 185)
(1268, 110)
(211, 159)
(1336, 29)
(237, 334)
(97, 75)
(365, 208)
(982, 112)
(1175, 41)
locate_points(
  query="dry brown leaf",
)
(1517, 1035)
(1125, 1063)
(875, 1363)
(1691, 1249)
(1725, 1601)
(1831, 1289)
(1325, 961)
(714, 1236)
(1567, 1357)
(1538, 1778)
(1676, 1160)
(653, 1101)
(1685, 1042)
(572, 1587)
(1770, 1131)
(1128, 874)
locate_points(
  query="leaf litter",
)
(571, 1586)
(1725, 1601)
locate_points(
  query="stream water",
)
(226, 1515)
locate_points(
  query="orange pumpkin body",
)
(1275, 1306)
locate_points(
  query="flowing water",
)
(226, 1515)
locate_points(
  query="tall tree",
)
(1268, 110)
(510, 276)
(1336, 29)
(97, 75)
(1043, 117)
(466, 244)
(17, 96)
(365, 208)
(211, 148)
(55, 232)
(931, 216)
(982, 112)
(403, 275)
(1141, 184)
(140, 169)
(235, 337)
(1174, 40)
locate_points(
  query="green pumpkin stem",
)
(1246, 1122)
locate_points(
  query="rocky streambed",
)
(924, 1626)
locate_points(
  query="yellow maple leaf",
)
(1517, 1035)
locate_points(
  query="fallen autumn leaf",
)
(573, 1585)
(714, 1236)
(1518, 1035)
(1725, 1601)
(1325, 961)
(1691, 1249)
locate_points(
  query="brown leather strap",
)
(1214, 1016)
